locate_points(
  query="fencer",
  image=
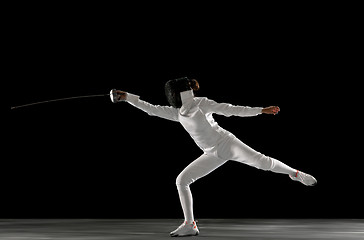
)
(218, 145)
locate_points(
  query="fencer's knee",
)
(264, 162)
(183, 180)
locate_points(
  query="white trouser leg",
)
(195, 170)
(236, 150)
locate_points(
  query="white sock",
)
(185, 197)
(279, 167)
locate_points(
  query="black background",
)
(91, 158)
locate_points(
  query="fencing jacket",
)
(195, 115)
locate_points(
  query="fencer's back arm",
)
(165, 112)
(226, 109)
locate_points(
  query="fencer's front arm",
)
(228, 110)
(165, 112)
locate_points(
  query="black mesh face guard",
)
(173, 88)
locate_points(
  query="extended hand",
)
(271, 110)
(121, 95)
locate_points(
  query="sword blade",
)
(58, 99)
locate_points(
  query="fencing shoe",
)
(186, 229)
(304, 178)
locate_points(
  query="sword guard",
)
(114, 96)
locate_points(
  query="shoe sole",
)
(189, 235)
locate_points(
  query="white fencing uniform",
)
(218, 145)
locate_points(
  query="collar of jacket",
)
(187, 100)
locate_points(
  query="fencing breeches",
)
(230, 149)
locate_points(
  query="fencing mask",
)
(174, 87)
